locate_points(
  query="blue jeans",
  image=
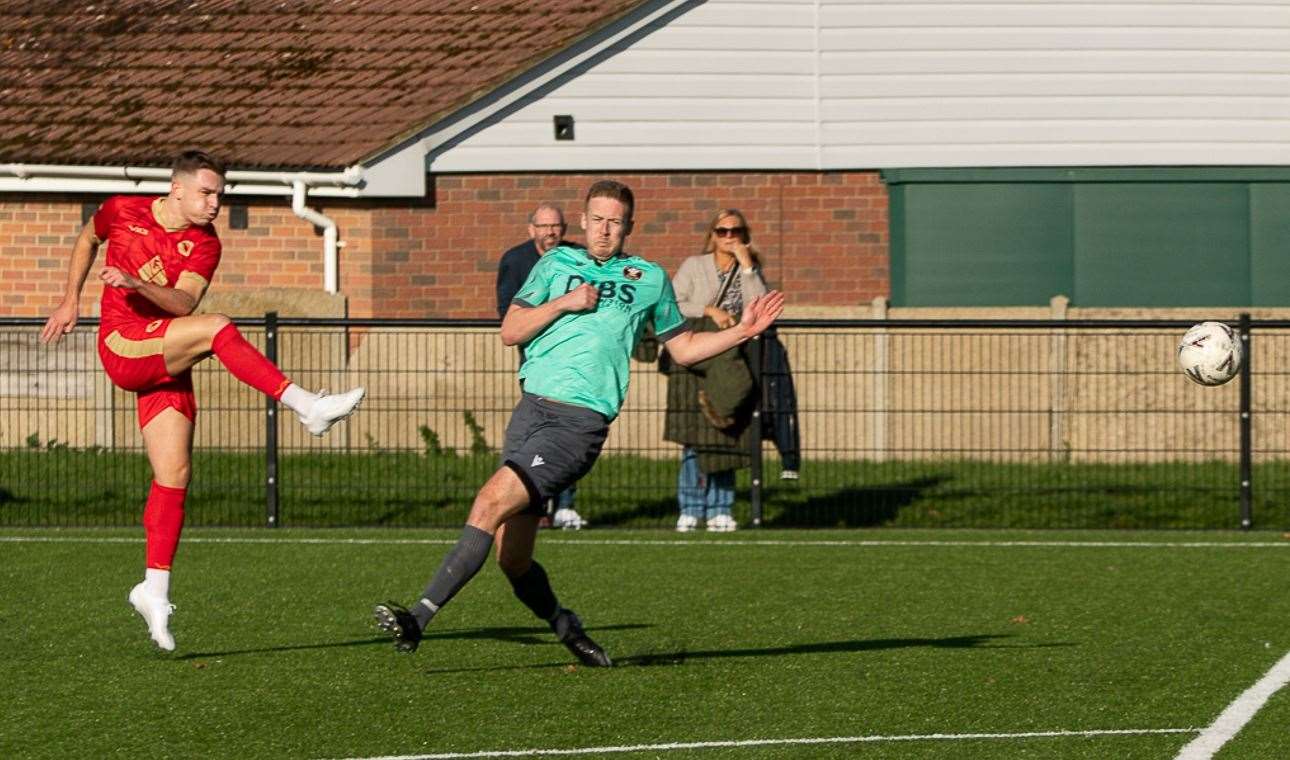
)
(565, 499)
(699, 494)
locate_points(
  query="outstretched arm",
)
(522, 323)
(65, 315)
(759, 314)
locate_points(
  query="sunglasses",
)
(728, 231)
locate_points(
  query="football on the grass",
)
(1210, 353)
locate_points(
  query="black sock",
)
(534, 589)
(456, 570)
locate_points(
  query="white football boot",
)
(156, 613)
(330, 409)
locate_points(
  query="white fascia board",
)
(59, 178)
(397, 175)
(505, 97)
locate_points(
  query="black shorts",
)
(550, 445)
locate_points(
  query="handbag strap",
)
(725, 284)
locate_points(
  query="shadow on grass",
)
(654, 511)
(853, 507)
(983, 641)
(287, 648)
(510, 635)
(655, 659)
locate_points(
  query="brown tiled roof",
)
(263, 83)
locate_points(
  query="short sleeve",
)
(105, 216)
(536, 290)
(204, 258)
(667, 318)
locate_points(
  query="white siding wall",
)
(834, 84)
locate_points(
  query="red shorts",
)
(132, 355)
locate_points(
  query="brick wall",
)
(823, 238)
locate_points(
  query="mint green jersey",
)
(581, 357)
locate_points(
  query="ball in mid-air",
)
(1210, 353)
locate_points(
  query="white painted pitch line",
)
(671, 542)
(1241, 711)
(671, 746)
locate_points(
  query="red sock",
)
(163, 519)
(247, 364)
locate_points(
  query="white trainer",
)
(722, 524)
(686, 523)
(330, 409)
(568, 519)
(156, 613)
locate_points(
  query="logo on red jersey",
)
(185, 247)
(152, 326)
(154, 271)
(137, 229)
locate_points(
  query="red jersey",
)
(138, 245)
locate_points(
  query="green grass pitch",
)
(823, 644)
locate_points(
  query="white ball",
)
(1210, 353)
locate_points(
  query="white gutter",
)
(58, 177)
(135, 179)
(330, 244)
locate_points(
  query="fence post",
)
(271, 426)
(1247, 454)
(755, 361)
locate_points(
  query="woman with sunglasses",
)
(714, 284)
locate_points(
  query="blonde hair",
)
(710, 241)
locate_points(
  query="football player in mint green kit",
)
(578, 316)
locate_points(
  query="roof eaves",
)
(587, 44)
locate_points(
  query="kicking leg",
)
(168, 438)
(188, 340)
(501, 497)
(529, 581)
(515, 541)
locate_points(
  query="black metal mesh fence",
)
(933, 423)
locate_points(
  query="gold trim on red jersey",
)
(132, 349)
(192, 278)
(154, 271)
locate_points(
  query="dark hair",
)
(190, 161)
(608, 188)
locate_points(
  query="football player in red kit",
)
(161, 255)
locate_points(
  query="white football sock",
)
(157, 582)
(298, 399)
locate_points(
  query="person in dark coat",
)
(546, 230)
(709, 404)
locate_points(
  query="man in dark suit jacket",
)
(546, 231)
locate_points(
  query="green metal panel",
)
(896, 238)
(1270, 244)
(965, 244)
(1089, 174)
(1161, 244)
(1106, 236)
